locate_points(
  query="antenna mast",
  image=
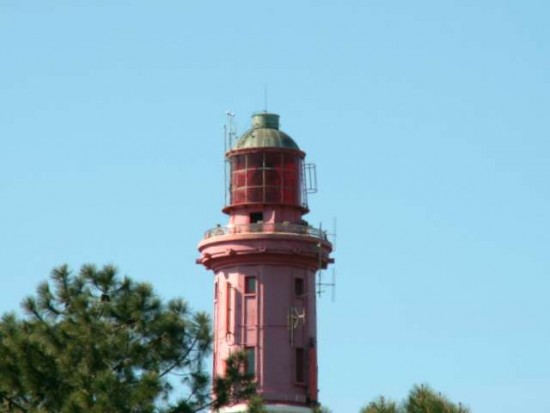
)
(321, 284)
(265, 97)
(228, 135)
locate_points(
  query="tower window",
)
(228, 309)
(299, 287)
(300, 373)
(250, 362)
(250, 285)
(256, 217)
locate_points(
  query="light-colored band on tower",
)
(270, 408)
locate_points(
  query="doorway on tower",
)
(256, 217)
(300, 364)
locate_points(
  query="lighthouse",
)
(265, 261)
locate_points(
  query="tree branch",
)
(12, 402)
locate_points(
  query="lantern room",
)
(265, 168)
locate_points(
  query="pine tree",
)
(321, 409)
(256, 405)
(421, 399)
(94, 342)
(380, 405)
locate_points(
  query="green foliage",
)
(322, 409)
(421, 399)
(380, 405)
(256, 405)
(235, 386)
(93, 342)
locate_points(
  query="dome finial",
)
(265, 120)
(265, 97)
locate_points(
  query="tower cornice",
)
(249, 248)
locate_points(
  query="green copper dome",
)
(265, 133)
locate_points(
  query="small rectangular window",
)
(228, 309)
(250, 285)
(250, 362)
(256, 217)
(300, 366)
(299, 287)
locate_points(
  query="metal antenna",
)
(321, 286)
(320, 273)
(230, 128)
(265, 97)
(333, 284)
(224, 139)
(294, 318)
(333, 234)
(224, 165)
(228, 133)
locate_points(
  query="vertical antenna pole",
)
(334, 243)
(319, 273)
(224, 139)
(228, 131)
(231, 130)
(333, 284)
(265, 97)
(224, 165)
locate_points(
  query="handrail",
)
(266, 227)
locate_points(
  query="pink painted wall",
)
(261, 320)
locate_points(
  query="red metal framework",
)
(266, 177)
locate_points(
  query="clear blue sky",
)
(428, 122)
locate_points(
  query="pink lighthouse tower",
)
(265, 261)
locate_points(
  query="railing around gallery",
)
(266, 227)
